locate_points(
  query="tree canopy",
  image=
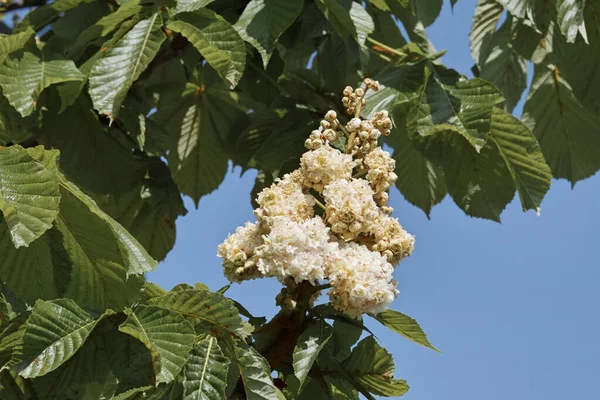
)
(111, 111)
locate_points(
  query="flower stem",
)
(321, 205)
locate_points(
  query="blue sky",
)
(513, 306)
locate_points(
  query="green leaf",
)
(306, 351)
(114, 73)
(53, 334)
(373, 366)
(73, 23)
(11, 339)
(217, 41)
(44, 15)
(205, 373)
(191, 5)
(41, 271)
(348, 18)
(168, 336)
(420, 180)
(405, 326)
(92, 152)
(449, 103)
(519, 8)
(211, 310)
(149, 210)
(427, 11)
(29, 196)
(103, 27)
(485, 20)
(11, 43)
(132, 254)
(254, 371)
(570, 18)
(198, 162)
(22, 80)
(502, 65)
(523, 156)
(263, 21)
(566, 130)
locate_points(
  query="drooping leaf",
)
(73, 23)
(114, 73)
(420, 180)
(11, 339)
(449, 103)
(207, 310)
(168, 336)
(23, 79)
(29, 195)
(405, 326)
(205, 373)
(523, 156)
(486, 17)
(47, 13)
(198, 162)
(254, 370)
(566, 130)
(426, 11)
(54, 332)
(502, 65)
(570, 18)
(217, 41)
(263, 21)
(348, 18)
(518, 8)
(306, 351)
(373, 366)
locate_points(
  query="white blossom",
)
(391, 240)
(350, 207)
(361, 279)
(296, 249)
(285, 198)
(380, 170)
(237, 252)
(324, 165)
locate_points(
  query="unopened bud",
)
(331, 116)
(360, 92)
(329, 135)
(353, 125)
(347, 91)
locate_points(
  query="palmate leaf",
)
(198, 162)
(168, 336)
(217, 41)
(74, 22)
(209, 311)
(420, 180)
(263, 21)
(348, 18)
(570, 18)
(114, 73)
(502, 65)
(23, 79)
(309, 345)
(87, 256)
(518, 8)
(523, 157)
(29, 195)
(54, 332)
(449, 103)
(405, 326)
(486, 17)
(253, 369)
(205, 373)
(46, 14)
(372, 366)
(566, 130)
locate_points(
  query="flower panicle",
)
(354, 243)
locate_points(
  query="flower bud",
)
(331, 116)
(353, 125)
(325, 124)
(359, 92)
(363, 135)
(329, 135)
(347, 91)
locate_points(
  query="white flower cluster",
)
(354, 243)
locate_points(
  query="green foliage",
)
(110, 112)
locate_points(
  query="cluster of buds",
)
(354, 244)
